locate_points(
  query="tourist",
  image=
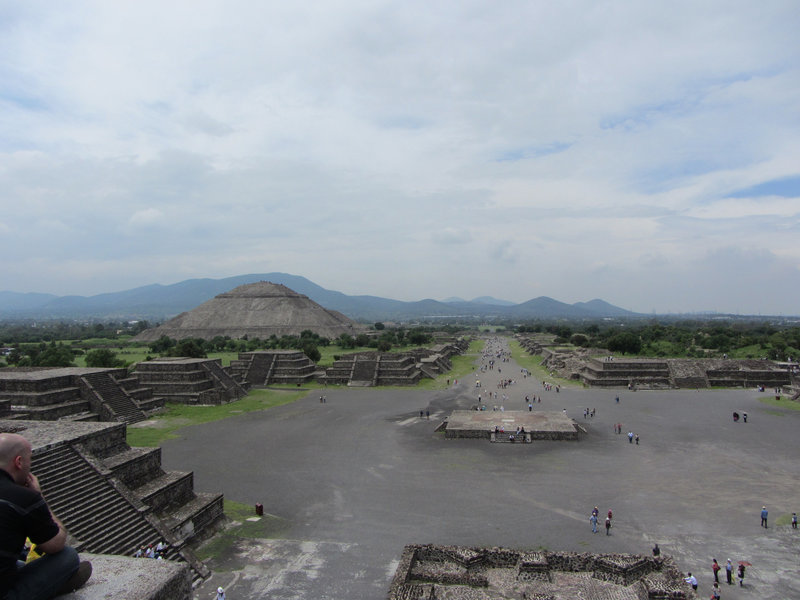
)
(729, 571)
(764, 515)
(220, 594)
(744, 417)
(25, 514)
(741, 574)
(630, 437)
(715, 591)
(637, 439)
(794, 520)
(656, 551)
(715, 568)
(608, 525)
(593, 521)
(691, 580)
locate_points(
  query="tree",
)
(190, 348)
(311, 351)
(384, 346)
(103, 357)
(55, 355)
(380, 326)
(162, 344)
(625, 342)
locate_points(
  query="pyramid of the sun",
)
(255, 310)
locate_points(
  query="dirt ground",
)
(356, 479)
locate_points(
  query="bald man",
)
(25, 514)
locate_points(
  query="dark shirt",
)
(23, 514)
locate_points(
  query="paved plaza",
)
(357, 478)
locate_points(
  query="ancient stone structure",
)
(582, 364)
(112, 498)
(428, 572)
(498, 426)
(189, 380)
(364, 369)
(78, 394)
(255, 310)
(273, 367)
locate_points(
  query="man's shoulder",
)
(18, 494)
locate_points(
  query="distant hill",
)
(159, 302)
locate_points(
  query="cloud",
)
(145, 217)
(351, 142)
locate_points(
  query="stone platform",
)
(459, 573)
(538, 425)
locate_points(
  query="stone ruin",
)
(367, 369)
(431, 572)
(583, 365)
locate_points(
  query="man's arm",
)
(59, 540)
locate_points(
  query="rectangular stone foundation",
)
(539, 425)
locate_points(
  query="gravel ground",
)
(359, 477)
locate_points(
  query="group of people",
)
(594, 517)
(149, 551)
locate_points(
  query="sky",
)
(644, 153)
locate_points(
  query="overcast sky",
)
(645, 153)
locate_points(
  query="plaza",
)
(352, 481)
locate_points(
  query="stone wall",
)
(423, 567)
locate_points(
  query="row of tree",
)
(681, 339)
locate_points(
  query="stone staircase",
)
(114, 499)
(113, 398)
(75, 394)
(227, 385)
(91, 508)
(274, 367)
(188, 380)
(364, 372)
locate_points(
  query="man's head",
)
(15, 456)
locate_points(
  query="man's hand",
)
(33, 483)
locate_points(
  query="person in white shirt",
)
(691, 580)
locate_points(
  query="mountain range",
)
(158, 302)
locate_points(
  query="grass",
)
(533, 363)
(784, 402)
(463, 365)
(269, 526)
(176, 416)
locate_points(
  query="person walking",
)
(729, 572)
(715, 567)
(593, 521)
(794, 520)
(764, 515)
(608, 525)
(741, 574)
(220, 594)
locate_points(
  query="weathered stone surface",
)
(255, 310)
(457, 573)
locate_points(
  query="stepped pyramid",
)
(255, 310)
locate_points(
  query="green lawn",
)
(533, 362)
(784, 402)
(176, 416)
